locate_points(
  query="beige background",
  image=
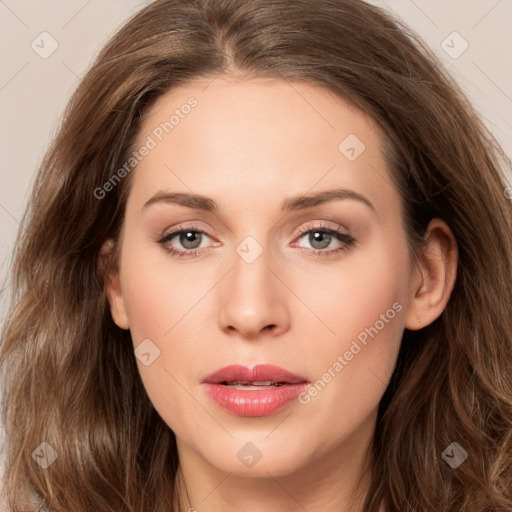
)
(34, 90)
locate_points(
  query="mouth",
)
(252, 385)
(260, 391)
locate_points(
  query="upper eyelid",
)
(304, 228)
(323, 226)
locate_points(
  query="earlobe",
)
(435, 276)
(109, 270)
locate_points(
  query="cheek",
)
(364, 306)
(159, 294)
(351, 295)
(164, 305)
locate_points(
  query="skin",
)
(249, 145)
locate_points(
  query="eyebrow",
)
(295, 203)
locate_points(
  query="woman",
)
(340, 337)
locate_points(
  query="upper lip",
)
(260, 373)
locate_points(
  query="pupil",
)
(317, 237)
(189, 239)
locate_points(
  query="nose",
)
(254, 299)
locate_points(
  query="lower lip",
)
(254, 402)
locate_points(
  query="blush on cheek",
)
(145, 290)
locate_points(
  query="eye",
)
(320, 237)
(189, 238)
(323, 236)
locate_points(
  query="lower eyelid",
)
(183, 253)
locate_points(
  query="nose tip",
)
(253, 301)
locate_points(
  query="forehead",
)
(258, 137)
(231, 109)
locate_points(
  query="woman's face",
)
(263, 279)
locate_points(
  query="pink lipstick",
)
(259, 391)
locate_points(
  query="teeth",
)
(256, 383)
(250, 387)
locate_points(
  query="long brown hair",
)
(69, 376)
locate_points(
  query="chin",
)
(254, 456)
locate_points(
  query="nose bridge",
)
(253, 298)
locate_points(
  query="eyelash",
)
(346, 239)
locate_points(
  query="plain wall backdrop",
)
(47, 46)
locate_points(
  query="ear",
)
(109, 269)
(434, 277)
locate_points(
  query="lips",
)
(263, 374)
(259, 391)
